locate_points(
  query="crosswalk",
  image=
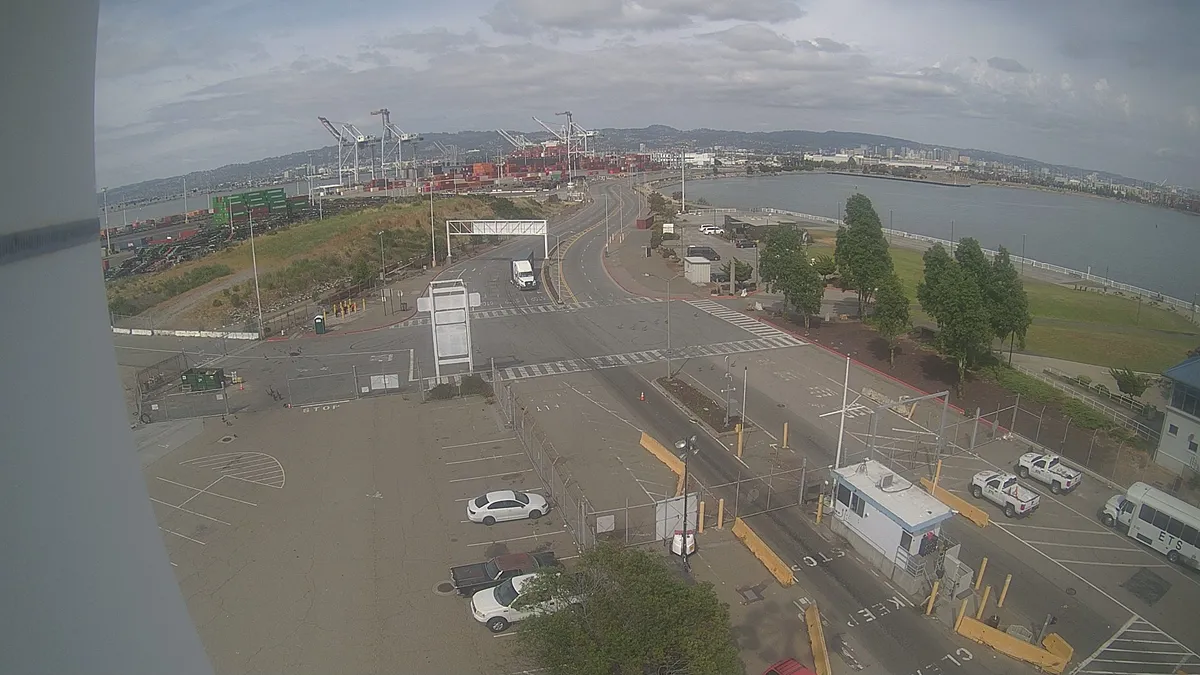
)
(568, 366)
(529, 310)
(738, 319)
(1139, 648)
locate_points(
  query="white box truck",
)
(523, 276)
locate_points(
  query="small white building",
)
(885, 518)
(697, 270)
(1180, 438)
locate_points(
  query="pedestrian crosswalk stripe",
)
(528, 310)
(742, 321)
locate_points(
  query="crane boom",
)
(332, 129)
(545, 126)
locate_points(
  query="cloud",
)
(203, 86)
(585, 17)
(1007, 65)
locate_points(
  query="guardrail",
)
(1117, 416)
(1121, 399)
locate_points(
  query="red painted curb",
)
(864, 366)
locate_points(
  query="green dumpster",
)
(319, 324)
(203, 379)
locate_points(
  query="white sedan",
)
(494, 607)
(501, 505)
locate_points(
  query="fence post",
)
(1091, 445)
(288, 382)
(1037, 436)
(803, 480)
(354, 370)
(1063, 444)
(975, 429)
(737, 493)
(1016, 407)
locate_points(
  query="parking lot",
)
(321, 541)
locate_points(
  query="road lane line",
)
(1056, 529)
(1108, 564)
(494, 475)
(484, 459)
(1098, 548)
(467, 445)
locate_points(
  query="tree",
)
(825, 265)
(744, 271)
(891, 316)
(863, 249)
(803, 289)
(936, 260)
(1131, 383)
(1008, 303)
(779, 245)
(970, 255)
(965, 333)
(634, 616)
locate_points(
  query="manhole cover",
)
(227, 439)
(444, 588)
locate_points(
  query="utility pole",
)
(683, 181)
(728, 389)
(254, 263)
(108, 237)
(432, 233)
(185, 211)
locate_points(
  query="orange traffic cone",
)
(643, 397)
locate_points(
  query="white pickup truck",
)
(1049, 469)
(1004, 490)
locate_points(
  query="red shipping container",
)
(184, 234)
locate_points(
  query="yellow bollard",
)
(785, 427)
(721, 513)
(987, 591)
(932, 597)
(979, 577)
(740, 434)
(700, 517)
(1004, 591)
(962, 610)
(936, 475)
(820, 507)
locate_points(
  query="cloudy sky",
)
(185, 86)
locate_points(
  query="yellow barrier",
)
(774, 564)
(965, 509)
(1017, 648)
(1055, 644)
(663, 454)
(816, 637)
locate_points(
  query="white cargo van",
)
(523, 276)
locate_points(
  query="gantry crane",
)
(392, 134)
(351, 142)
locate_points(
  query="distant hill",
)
(487, 145)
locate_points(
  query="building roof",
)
(907, 504)
(1187, 372)
(696, 260)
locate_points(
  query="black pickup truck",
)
(470, 579)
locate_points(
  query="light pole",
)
(185, 200)
(687, 447)
(432, 233)
(669, 374)
(107, 236)
(606, 240)
(382, 260)
(254, 264)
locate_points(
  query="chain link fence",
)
(174, 404)
(564, 493)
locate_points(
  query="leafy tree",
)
(863, 249)
(634, 616)
(803, 289)
(1131, 383)
(677, 195)
(779, 245)
(361, 271)
(841, 257)
(965, 333)
(936, 260)
(1009, 304)
(891, 316)
(970, 255)
(744, 271)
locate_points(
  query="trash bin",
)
(677, 543)
(319, 324)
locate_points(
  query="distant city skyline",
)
(184, 87)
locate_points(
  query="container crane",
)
(392, 134)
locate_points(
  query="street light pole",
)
(606, 239)
(432, 234)
(688, 446)
(254, 264)
(107, 236)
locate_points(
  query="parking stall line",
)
(484, 459)
(1121, 651)
(194, 513)
(200, 492)
(494, 475)
(182, 536)
(468, 445)
(1108, 564)
(205, 491)
(1097, 548)
(528, 536)
(1056, 529)
(536, 489)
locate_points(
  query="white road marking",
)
(505, 541)
(468, 445)
(182, 536)
(1109, 564)
(1057, 529)
(251, 467)
(194, 513)
(494, 475)
(198, 491)
(1098, 548)
(467, 499)
(484, 459)
(412, 365)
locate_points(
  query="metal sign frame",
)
(449, 305)
(504, 228)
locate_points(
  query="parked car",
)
(470, 579)
(711, 229)
(704, 252)
(1004, 490)
(498, 608)
(1049, 469)
(501, 505)
(745, 243)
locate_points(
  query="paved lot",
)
(314, 542)
(600, 450)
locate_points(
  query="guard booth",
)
(319, 324)
(890, 522)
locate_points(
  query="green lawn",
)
(1089, 327)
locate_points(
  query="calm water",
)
(1142, 245)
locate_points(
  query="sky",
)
(1103, 84)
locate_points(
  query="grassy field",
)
(305, 255)
(1088, 327)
